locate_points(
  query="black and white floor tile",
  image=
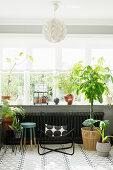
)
(30, 160)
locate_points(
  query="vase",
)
(69, 98)
(56, 100)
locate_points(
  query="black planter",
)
(18, 134)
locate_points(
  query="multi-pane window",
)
(40, 80)
(107, 55)
(49, 59)
(44, 58)
(12, 59)
(16, 81)
(70, 56)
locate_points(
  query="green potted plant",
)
(103, 146)
(7, 114)
(66, 82)
(92, 81)
(16, 127)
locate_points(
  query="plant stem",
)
(91, 110)
(9, 78)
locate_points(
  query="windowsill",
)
(60, 104)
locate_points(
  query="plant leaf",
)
(8, 60)
(31, 58)
(21, 53)
(90, 122)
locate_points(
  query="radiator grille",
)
(78, 117)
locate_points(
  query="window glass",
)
(13, 60)
(16, 85)
(44, 58)
(70, 56)
(107, 54)
(42, 83)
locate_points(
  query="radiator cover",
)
(79, 117)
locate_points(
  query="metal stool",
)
(31, 126)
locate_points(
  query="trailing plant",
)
(16, 125)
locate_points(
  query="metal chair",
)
(56, 128)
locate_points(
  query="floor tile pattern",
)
(30, 160)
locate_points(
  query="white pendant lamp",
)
(54, 30)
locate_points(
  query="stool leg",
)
(24, 137)
(20, 144)
(31, 138)
(34, 137)
(21, 140)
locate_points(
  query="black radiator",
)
(78, 117)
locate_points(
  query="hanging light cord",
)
(56, 6)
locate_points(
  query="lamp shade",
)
(54, 30)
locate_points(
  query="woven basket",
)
(90, 138)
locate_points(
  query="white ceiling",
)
(71, 11)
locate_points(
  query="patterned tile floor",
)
(30, 160)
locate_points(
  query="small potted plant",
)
(8, 113)
(16, 127)
(65, 84)
(103, 146)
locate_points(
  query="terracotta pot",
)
(7, 122)
(90, 138)
(6, 97)
(36, 100)
(44, 100)
(69, 98)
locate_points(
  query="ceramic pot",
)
(69, 98)
(56, 100)
(7, 122)
(103, 149)
(6, 97)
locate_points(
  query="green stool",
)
(31, 126)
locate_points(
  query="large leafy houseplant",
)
(92, 82)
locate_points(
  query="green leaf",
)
(31, 58)
(21, 53)
(104, 124)
(8, 60)
(90, 122)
